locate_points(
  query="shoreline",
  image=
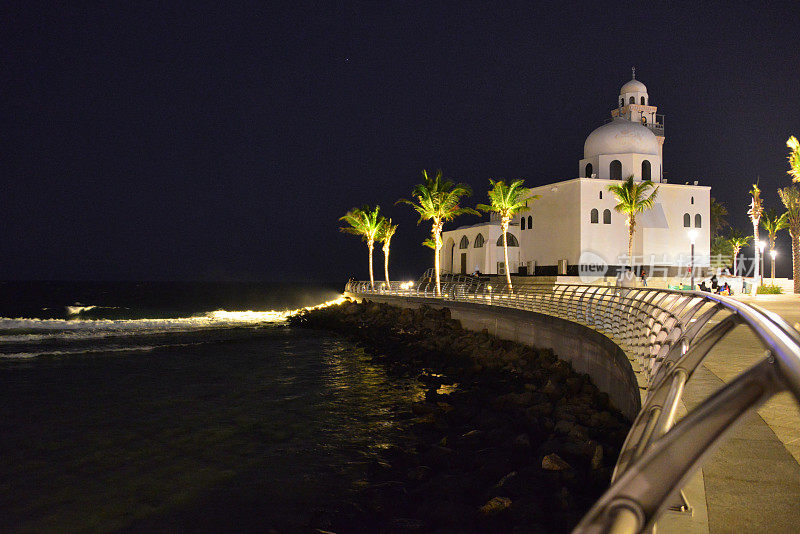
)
(507, 437)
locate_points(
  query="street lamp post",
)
(773, 253)
(761, 245)
(692, 238)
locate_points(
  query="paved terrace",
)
(752, 483)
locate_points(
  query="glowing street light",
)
(490, 293)
(692, 238)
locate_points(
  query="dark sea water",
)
(161, 407)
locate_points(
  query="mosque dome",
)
(633, 86)
(620, 136)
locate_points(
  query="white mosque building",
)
(573, 222)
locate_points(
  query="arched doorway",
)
(588, 172)
(448, 251)
(451, 249)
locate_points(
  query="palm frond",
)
(737, 240)
(387, 231)
(794, 158)
(507, 200)
(363, 221)
(718, 212)
(756, 205)
(790, 197)
(438, 199)
(633, 197)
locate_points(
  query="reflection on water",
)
(256, 430)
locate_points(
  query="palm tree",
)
(507, 201)
(790, 196)
(718, 224)
(633, 199)
(367, 223)
(755, 212)
(387, 231)
(437, 200)
(718, 212)
(773, 223)
(736, 241)
(794, 158)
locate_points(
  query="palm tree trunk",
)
(757, 256)
(436, 268)
(631, 231)
(505, 255)
(772, 270)
(370, 244)
(437, 241)
(796, 259)
(386, 262)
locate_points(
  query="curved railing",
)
(669, 334)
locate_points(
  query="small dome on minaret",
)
(633, 86)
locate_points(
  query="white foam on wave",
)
(78, 308)
(20, 330)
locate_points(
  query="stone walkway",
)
(752, 483)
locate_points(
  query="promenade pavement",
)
(752, 483)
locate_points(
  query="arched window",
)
(692, 202)
(646, 170)
(522, 223)
(698, 221)
(643, 101)
(512, 241)
(687, 220)
(616, 170)
(588, 172)
(594, 218)
(606, 216)
(530, 222)
(464, 242)
(632, 100)
(621, 102)
(601, 195)
(478, 241)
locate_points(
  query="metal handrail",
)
(668, 334)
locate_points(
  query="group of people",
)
(716, 287)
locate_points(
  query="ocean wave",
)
(26, 330)
(21, 329)
(78, 308)
(86, 350)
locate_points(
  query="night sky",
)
(201, 142)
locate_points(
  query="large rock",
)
(554, 462)
(495, 506)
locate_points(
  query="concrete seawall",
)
(588, 351)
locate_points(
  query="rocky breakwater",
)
(505, 437)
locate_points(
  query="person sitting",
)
(703, 286)
(714, 283)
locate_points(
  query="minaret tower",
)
(634, 105)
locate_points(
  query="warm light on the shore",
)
(267, 316)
